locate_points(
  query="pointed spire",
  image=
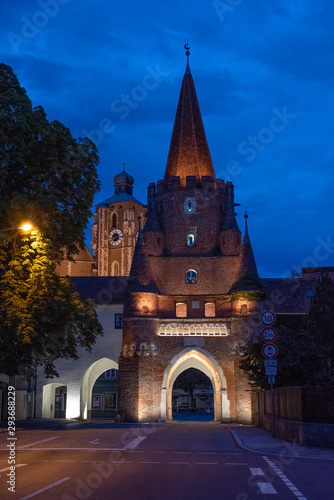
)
(248, 279)
(188, 152)
(141, 277)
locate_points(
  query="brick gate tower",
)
(193, 292)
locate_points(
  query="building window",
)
(191, 276)
(210, 310)
(118, 321)
(114, 221)
(195, 304)
(115, 269)
(112, 373)
(189, 205)
(181, 310)
(190, 240)
(110, 401)
(309, 294)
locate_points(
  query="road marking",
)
(207, 453)
(150, 462)
(46, 488)
(235, 463)
(134, 443)
(158, 451)
(184, 452)
(37, 442)
(256, 471)
(207, 463)
(95, 441)
(285, 480)
(267, 488)
(16, 466)
(179, 463)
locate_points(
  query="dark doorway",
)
(192, 397)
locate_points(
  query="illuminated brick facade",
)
(193, 293)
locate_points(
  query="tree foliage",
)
(305, 345)
(49, 179)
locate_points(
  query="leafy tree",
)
(49, 179)
(188, 380)
(305, 345)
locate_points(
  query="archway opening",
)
(94, 401)
(192, 397)
(54, 401)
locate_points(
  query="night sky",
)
(263, 71)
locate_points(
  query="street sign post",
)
(271, 370)
(269, 334)
(270, 351)
(268, 318)
(270, 362)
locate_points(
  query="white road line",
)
(256, 471)
(36, 442)
(235, 463)
(134, 443)
(285, 480)
(46, 488)
(16, 466)
(95, 441)
(207, 453)
(207, 463)
(267, 488)
(184, 452)
(150, 462)
(158, 451)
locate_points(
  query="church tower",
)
(193, 289)
(115, 229)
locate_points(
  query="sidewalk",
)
(258, 440)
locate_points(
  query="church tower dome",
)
(123, 182)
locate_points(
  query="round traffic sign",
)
(270, 351)
(268, 318)
(269, 334)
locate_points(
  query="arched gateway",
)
(193, 287)
(204, 361)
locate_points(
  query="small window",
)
(115, 269)
(110, 401)
(114, 220)
(112, 373)
(191, 276)
(190, 240)
(181, 310)
(244, 309)
(210, 310)
(189, 205)
(195, 304)
(118, 321)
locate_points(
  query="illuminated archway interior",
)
(192, 396)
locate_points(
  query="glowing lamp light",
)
(26, 227)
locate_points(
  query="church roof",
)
(117, 198)
(189, 151)
(248, 279)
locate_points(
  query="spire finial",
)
(123, 167)
(246, 225)
(186, 46)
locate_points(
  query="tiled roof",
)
(116, 198)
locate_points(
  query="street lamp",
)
(24, 227)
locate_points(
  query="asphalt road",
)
(179, 461)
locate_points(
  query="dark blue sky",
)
(263, 72)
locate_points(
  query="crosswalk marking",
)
(267, 488)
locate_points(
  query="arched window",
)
(114, 220)
(190, 240)
(115, 269)
(191, 276)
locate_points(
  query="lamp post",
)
(24, 227)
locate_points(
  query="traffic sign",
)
(268, 318)
(271, 379)
(271, 370)
(270, 362)
(269, 334)
(270, 351)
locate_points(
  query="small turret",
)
(248, 279)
